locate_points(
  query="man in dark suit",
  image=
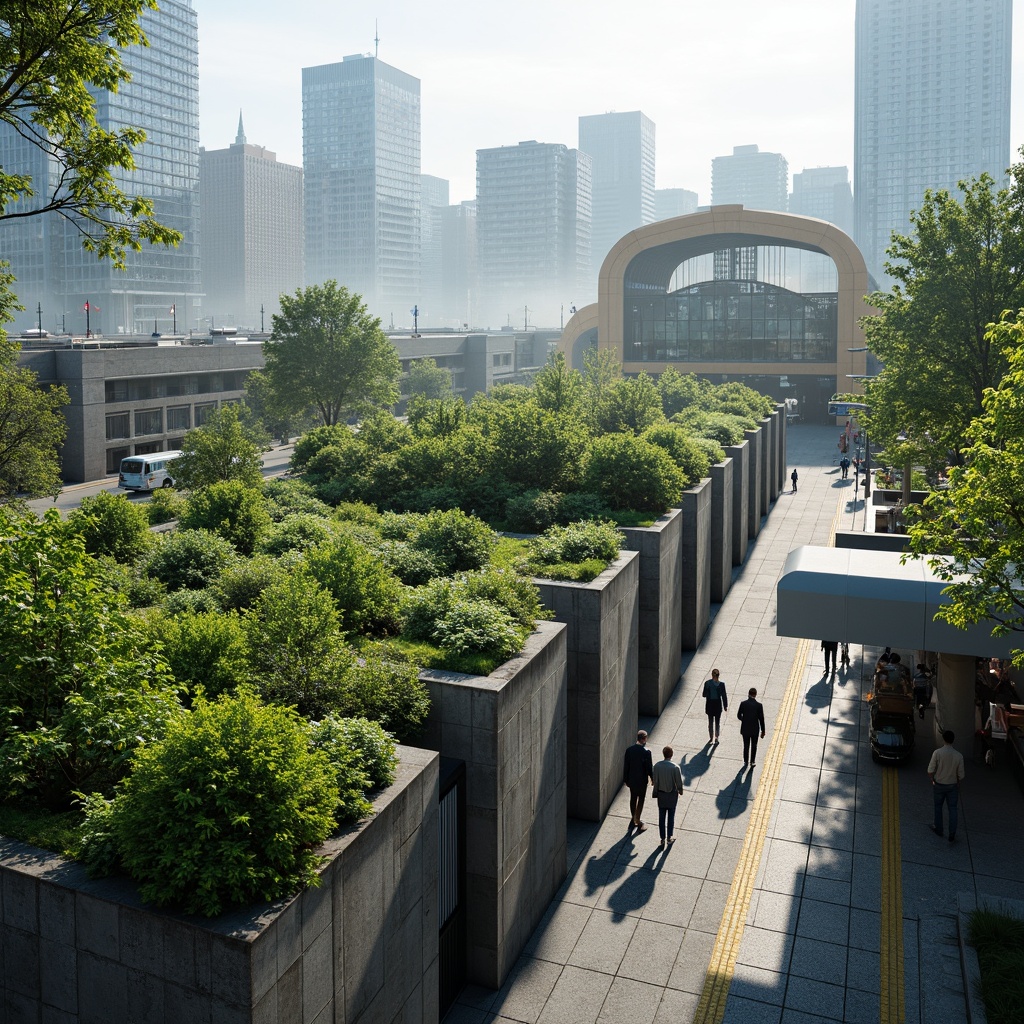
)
(637, 771)
(751, 716)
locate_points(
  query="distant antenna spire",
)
(240, 137)
(376, 39)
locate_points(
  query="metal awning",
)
(869, 597)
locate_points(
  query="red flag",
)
(86, 307)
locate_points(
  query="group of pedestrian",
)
(665, 777)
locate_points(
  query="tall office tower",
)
(674, 202)
(459, 265)
(433, 206)
(53, 270)
(756, 180)
(533, 232)
(252, 230)
(361, 158)
(621, 149)
(824, 192)
(932, 107)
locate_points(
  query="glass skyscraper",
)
(756, 180)
(52, 268)
(361, 161)
(932, 107)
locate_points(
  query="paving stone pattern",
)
(630, 932)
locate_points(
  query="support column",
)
(954, 701)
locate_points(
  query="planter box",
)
(755, 439)
(721, 529)
(601, 656)
(510, 729)
(362, 947)
(696, 603)
(740, 455)
(660, 618)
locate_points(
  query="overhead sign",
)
(844, 408)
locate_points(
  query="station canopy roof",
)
(869, 597)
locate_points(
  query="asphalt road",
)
(275, 463)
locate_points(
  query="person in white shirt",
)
(946, 769)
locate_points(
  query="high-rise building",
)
(756, 180)
(674, 202)
(932, 107)
(160, 288)
(433, 207)
(824, 192)
(533, 231)
(361, 158)
(252, 232)
(621, 149)
(459, 270)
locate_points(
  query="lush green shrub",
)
(287, 497)
(228, 446)
(577, 542)
(514, 593)
(164, 506)
(228, 808)
(535, 511)
(629, 472)
(388, 690)
(191, 602)
(357, 512)
(189, 559)
(112, 525)
(131, 582)
(399, 525)
(338, 461)
(458, 541)
(298, 532)
(231, 509)
(367, 594)
(314, 441)
(725, 428)
(687, 452)
(240, 584)
(204, 650)
(351, 777)
(710, 449)
(81, 687)
(412, 566)
(295, 648)
(374, 748)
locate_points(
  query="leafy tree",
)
(112, 525)
(231, 509)
(631, 473)
(962, 266)
(679, 391)
(189, 559)
(634, 404)
(206, 650)
(601, 370)
(316, 439)
(558, 388)
(327, 351)
(51, 56)
(81, 687)
(428, 379)
(261, 401)
(973, 532)
(686, 453)
(240, 584)
(223, 448)
(436, 417)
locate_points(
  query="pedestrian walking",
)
(831, 649)
(844, 465)
(751, 716)
(794, 476)
(715, 702)
(668, 784)
(946, 770)
(637, 771)
(922, 688)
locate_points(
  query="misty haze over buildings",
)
(932, 107)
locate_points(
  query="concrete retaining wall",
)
(754, 464)
(601, 653)
(696, 603)
(660, 617)
(774, 455)
(510, 728)
(767, 468)
(740, 455)
(362, 947)
(721, 529)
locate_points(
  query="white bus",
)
(145, 472)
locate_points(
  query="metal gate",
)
(451, 881)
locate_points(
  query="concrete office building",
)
(459, 270)
(45, 252)
(433, 206)
(932, 107)
(533, 231)
(674, 202)
(825, 193)
(252, 230)
(750, 178)
(361, 158)
(621, 150)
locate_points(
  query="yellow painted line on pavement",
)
(893, 1008)
(711, 1008)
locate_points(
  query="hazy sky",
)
(712, 74)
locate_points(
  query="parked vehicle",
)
(892, 732)
(146, 472)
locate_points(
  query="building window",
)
(149, 447)
(118, 425)
(114, 457)
(203, 412)
(174, 444)
(179, 417)
(149, 421)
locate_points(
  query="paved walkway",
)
(780, 900)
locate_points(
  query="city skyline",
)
(800, 51)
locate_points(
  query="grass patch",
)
(574, 572)
(999, 941)
(628, 517)
(428, 656)
(56, 831)
(510, 553)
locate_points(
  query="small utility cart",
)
(893, 731)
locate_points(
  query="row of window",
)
(151, 421)
(141, 389)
